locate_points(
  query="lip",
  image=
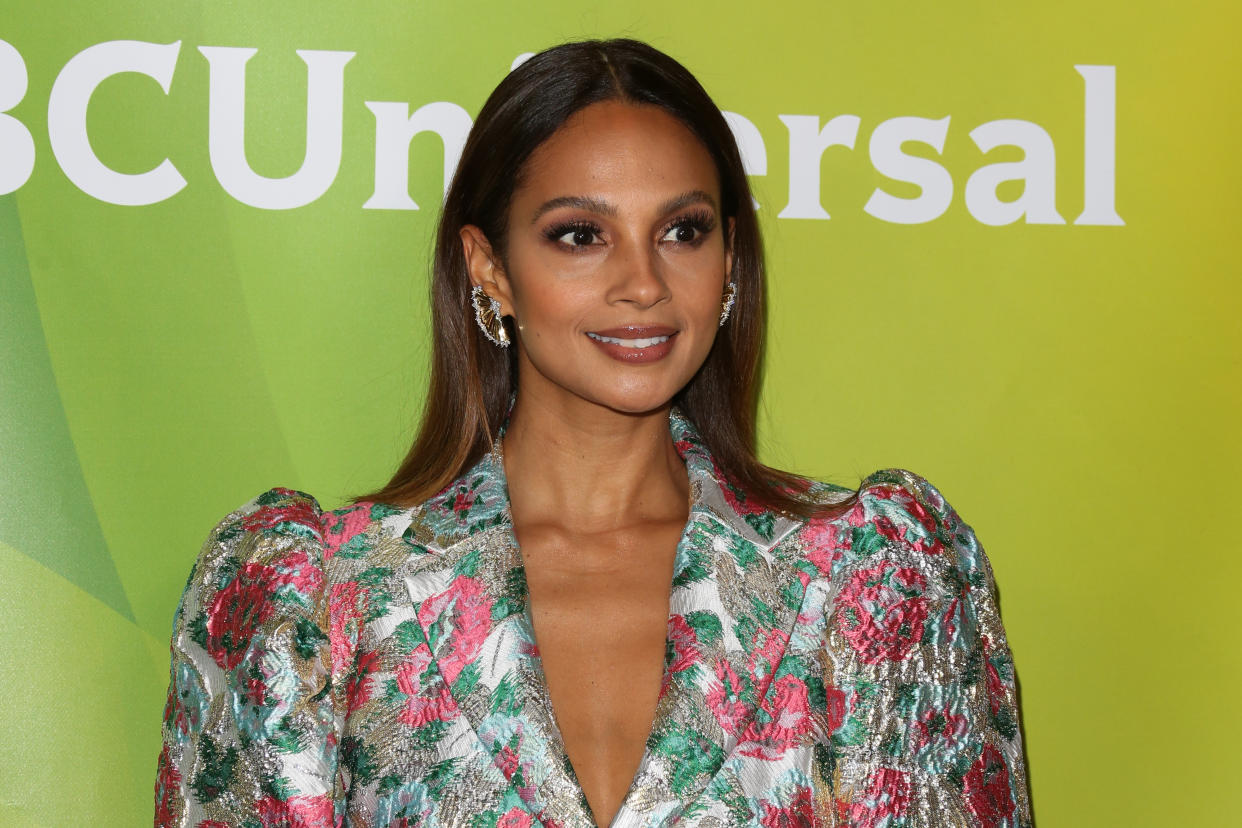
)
(636, 356)
(636, 331)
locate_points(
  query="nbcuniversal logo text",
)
(396, 126)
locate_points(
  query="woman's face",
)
(616, 259)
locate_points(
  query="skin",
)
(599, 496)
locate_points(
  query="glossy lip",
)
(636, 331)
(636, 356)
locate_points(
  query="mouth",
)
(630, 343)
(635, 344)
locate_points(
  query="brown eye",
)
(579, 237)
(683, 232)
(575, 235)
(690, 229)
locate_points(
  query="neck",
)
(591, 467)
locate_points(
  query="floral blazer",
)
(375, 666)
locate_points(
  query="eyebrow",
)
(593, 205)
(596, 205)
(688, 198)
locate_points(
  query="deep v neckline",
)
(539, 676)
(734, 598)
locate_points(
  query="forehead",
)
(622, 151)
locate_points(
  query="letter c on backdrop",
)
(66, 120)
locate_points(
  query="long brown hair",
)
(472, 379)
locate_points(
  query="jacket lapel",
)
(734, 602)
(469, 596)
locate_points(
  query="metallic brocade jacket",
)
(376, 666)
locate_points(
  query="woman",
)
(719, 643)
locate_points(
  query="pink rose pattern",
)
(296, 812)
(841, 665)
(515, 818)
(468, 606)
(340, 529)
(346, 610)
(798, 812)
(884, 801)
(881, 611)
(248, 601)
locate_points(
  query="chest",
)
(600, 606)
(534, 680)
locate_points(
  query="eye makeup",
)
(701, 221)
(584, 233)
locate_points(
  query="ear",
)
(485, 267)
(729, 249)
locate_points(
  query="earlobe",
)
(729, 249)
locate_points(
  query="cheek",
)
(547, 306)
(703, 284)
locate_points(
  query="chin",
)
(638, 411)
(643, 401)
(624, 389)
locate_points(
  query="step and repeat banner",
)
(1002, 253)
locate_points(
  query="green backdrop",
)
(1064, 368)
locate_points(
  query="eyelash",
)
(701, 221)
(554, 233)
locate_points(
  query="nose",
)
(637, 276)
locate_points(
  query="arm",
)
(250, 730)
(931, 736)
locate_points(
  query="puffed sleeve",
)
(929, 732)
(250, 730)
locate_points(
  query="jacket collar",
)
(734, 599)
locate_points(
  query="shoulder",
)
(910, 509)
(279, 528)
(276, 557)
(894, 514)
(276, 513)
(261, 643)
(283, 519)
(286, 554)
(914, 634)
(902, 551)
(260, 564)
(277, 581)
